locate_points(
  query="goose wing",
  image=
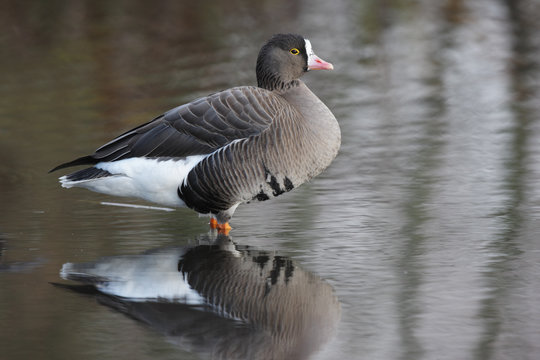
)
(197, 128)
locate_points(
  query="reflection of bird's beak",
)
(316, 63)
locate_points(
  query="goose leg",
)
(222, 228)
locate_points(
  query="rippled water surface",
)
(421, 241)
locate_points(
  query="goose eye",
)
(294, 51)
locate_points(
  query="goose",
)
(231, 147)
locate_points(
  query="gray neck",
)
(275, 83)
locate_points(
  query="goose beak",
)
(316, 63)
(313, 61)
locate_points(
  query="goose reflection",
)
(218, 299)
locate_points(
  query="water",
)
(425, 226)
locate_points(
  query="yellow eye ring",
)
(294, 51)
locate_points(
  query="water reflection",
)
(16, 266)
(217, 299)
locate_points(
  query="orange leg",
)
(222, 228)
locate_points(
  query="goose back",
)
(197, 128)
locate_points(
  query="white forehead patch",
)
(309, 49)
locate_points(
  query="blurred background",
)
(426, 225)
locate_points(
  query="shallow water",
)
(425, 226)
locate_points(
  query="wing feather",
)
(199, 127)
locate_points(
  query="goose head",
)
(285, 58)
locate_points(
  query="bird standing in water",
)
(234, 146)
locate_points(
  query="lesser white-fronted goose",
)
(238, 145)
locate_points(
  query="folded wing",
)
(197, 128)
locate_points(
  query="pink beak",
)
(316, 63)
